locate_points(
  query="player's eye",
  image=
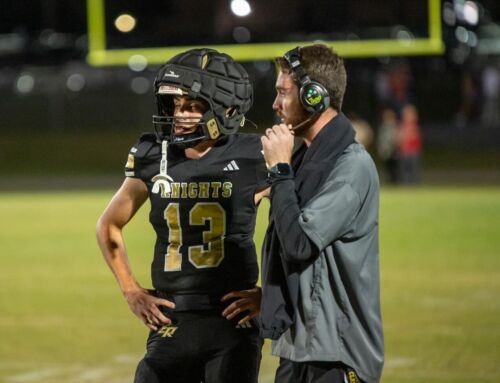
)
(195, 107)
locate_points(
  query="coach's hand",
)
(247, 300)
(145, 306)
(278, 145)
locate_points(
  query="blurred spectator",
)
(364, 132)
(400, 80)
(469, 102)
(382, 89)
(490, 116)
(387, 144)
(410, 145)
(394, 86)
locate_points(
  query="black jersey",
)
(203, 213)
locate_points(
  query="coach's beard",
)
(302, 127)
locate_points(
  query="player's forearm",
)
(112, 246)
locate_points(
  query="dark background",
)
(62, 118)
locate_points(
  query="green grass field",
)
(63, 319)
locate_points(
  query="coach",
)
(320, 269)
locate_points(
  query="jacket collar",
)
(329, 143)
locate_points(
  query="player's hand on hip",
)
(246, 301)
(277, 144)
(146, 307)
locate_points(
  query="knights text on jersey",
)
(203, 213)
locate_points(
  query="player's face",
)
(287, 104)
(187, 113)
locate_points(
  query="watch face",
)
(283, 169)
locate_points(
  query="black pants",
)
(314, 372)
(201, 346)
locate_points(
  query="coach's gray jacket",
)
(330, 256)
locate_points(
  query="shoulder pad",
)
(146, 142)
(151, 137)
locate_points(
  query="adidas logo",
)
(244, 325)
(231, 167)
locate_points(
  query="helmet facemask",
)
(165, 122)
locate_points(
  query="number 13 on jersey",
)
(210, 252)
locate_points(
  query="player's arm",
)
(123, 206)
(261, 194)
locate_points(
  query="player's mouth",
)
(186, 125)
(180, 129)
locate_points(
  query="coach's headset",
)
(313, 96)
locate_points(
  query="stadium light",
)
(449, 15)
(75, 82)
(125, 23)
(140, 85)
(241, 8)
(241, 35)
(25, 83)
(461, 34)
(472, 40)
(137, 63)
(471, 13)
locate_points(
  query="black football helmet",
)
(211, 76)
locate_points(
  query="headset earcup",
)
(314, 97)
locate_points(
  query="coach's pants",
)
(314, 372)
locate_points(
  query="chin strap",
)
(164, 161)
(162, 181)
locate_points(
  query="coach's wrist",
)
(281, 170)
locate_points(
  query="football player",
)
(204, 182)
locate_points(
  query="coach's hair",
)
(322, 64)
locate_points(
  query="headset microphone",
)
(307, 120)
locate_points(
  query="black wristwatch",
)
(280, 170)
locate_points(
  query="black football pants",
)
(201, 346)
